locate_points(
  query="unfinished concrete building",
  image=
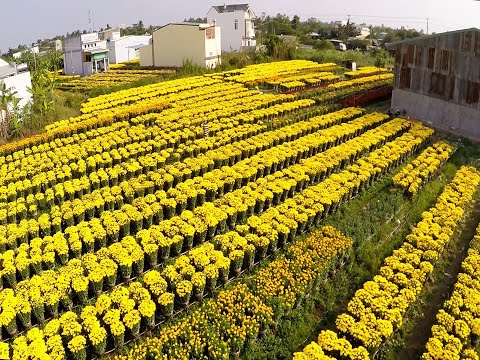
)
(437, 80)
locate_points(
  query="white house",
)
(85, 55)
(57, 45)
(126, 48)
(363, 30)
(173, 43)
(34, 50)
(17, 78)
(236, 22)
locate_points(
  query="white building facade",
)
(175, 43)
(237, 25)
(126, 48)
(17, 78)
(85, 55)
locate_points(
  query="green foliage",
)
(323, 45)
(279, 49)
(196, 20)
(358, 43)
(189, 68)
(382, 57)
(323, 56)
(234, 59)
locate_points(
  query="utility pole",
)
(427, 24)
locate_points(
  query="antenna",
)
(91, 24)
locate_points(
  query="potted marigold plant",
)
(211, 276)
(147, 309)
(132, 322)
(236, 258)
(98, 339)
(80, 287)
(78, 347)
(117, 330)
(199, 281)
(184, 291)
(151, 252)
(166, 304)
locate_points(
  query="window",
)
(431, 58)
(210, 33)
(405, 78)
(466, 41)
(410, 53)
(477, 45)
(88, 58)
(445, 60)
(398, 54)
(437, 84)
(473, 92)
(451, 92)
(236, 24)
(419, 56)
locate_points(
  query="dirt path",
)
(439, 291)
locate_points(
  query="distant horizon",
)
(56, 18)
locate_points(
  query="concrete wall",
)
(73, 63)
(439, 113)
(124, 49)
(175, 43)
(72, 56)
(146, 58)
(20, 83)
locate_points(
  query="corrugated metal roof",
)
(230, 8)
(421, 38)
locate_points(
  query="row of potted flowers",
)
(456, 333)
(129, 96)
(361, 81)
(377, 309)
(422, 168)
(259, 74)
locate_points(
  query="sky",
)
(29, 20)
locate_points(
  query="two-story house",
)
(237, 24)
(85, 55)
(173, 44)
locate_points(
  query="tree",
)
(42, 92)
(9, 112)
(278, 48)
(382, 57)
(295, 22)
(196, 20)
(323, 45)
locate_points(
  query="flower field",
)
(113, 77)
(127, 233)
